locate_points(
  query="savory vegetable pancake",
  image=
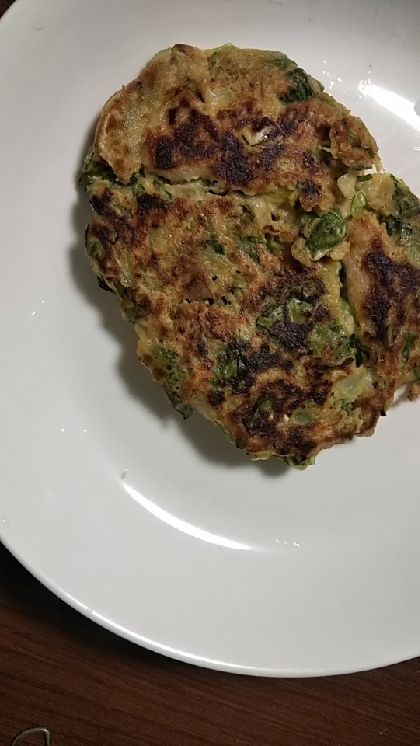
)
(272, 277)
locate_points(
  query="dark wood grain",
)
(4, 5)
(90, 687)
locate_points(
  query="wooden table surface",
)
(87, 686)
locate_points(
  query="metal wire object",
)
(31, 732)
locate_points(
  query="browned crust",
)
(183, 129)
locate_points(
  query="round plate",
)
(159, 529)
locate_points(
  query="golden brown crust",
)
(244, 118)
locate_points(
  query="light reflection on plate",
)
(180, 525)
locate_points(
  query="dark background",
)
(59, 670)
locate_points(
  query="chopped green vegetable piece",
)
(410, 239)
(249, 244)
(226, 368)
(168, 361)
(95, 169)
(266, 405)
(131, 314)
(354, 139)
(344, 350)
(274, 246)
(361, 352)
(357, 143)
(298, 310)
(331, 335)
(358, 203)
(120, 289)
(282, 62)
(267, 321)
(133, 311)
(136, 184)
(347, 407)
(184, 409)
(213, 58)
(213, 243)
(408, 347)
(160, 188)
(330, 231)
(393, 225)
(364, 177)
(408, 205)
(301, 88)
(307, 219)
(282, 195)
(308, 223)
(261, 413)
(120, 209)
(409, 235)
(231, 369)
(138, 188)
(94, 249)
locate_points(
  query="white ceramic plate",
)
(155, 528)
